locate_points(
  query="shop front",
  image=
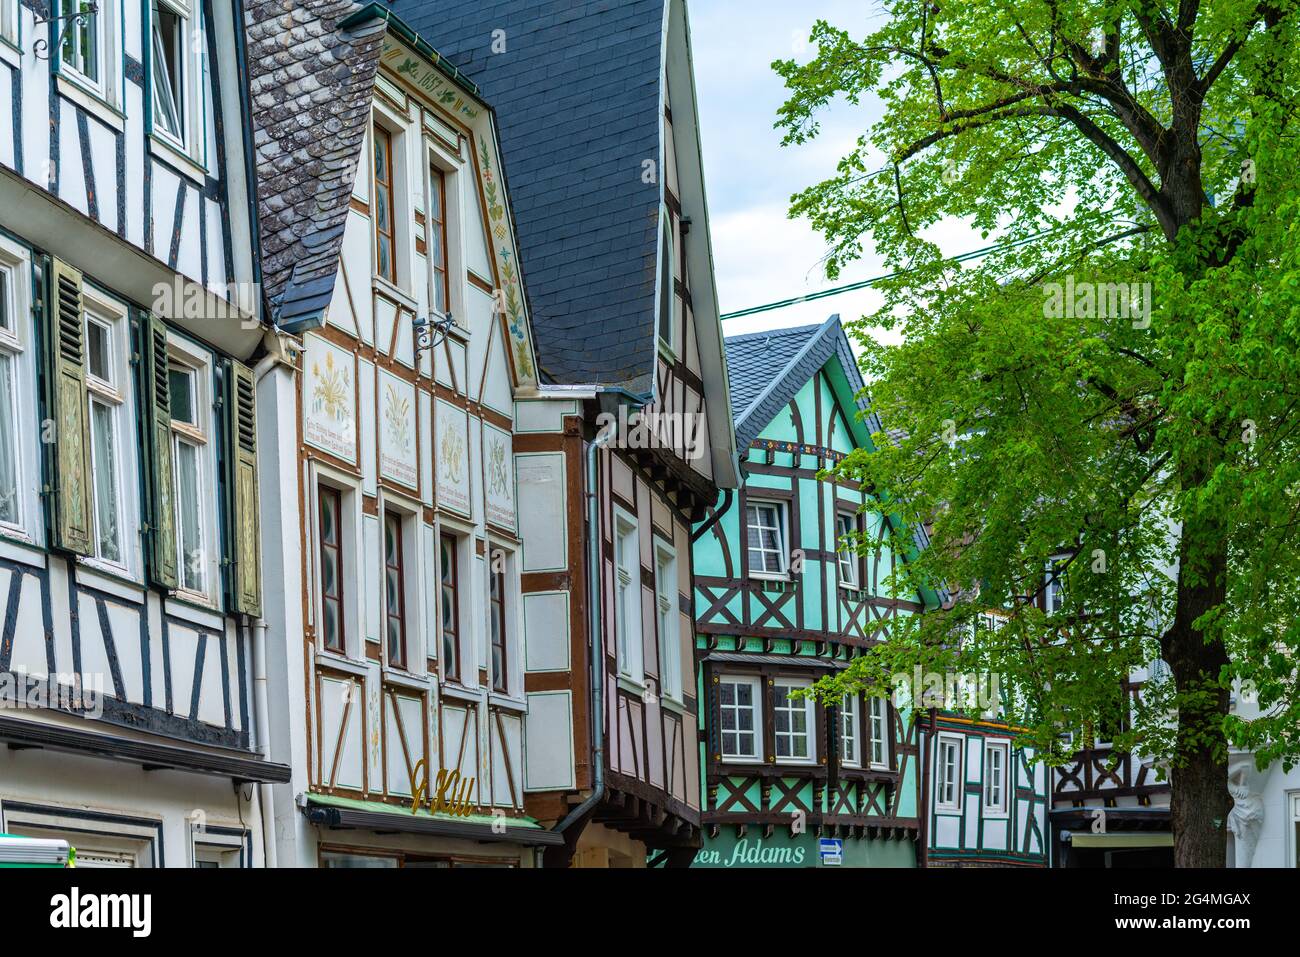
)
(732, 849)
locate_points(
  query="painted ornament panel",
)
(451, 457)
(398, 457)
(330, 399)
(498, 477)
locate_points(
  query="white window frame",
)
(15, 343)
(996, 804)
(1054, 585)
(782, 531)
(850, 730)
(878, 732)
(407, 514)
(942, 784)
(352, 544)
(847, 560)
(667, 621)
(105, 23)
(628, 627)
(189, 139)
(9, 21)
(756, 718)
(203, 437)
(793, 706)
(1293, 829)
(512, 599)
(399, 131)
(102, 310)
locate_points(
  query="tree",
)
(1117, 385)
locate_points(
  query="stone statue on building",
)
(1246, 817)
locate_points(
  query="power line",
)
(866, 283)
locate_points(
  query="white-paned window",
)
(667, 617)
(627, 597)
(738, 704)
(193, 485)
(793, 719)
(20, 513)
(1054, 586)
(11, 512)
(845, 526)
(9, 20)
(86, 39)
(995, 777)
(766, 538)
(850, 738)
(947, 773)
(112, 437)
(878, 727)
(1293, 859)
(176, 63)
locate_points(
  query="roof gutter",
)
(375, 11)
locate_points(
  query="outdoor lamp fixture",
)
(431, 333)
(41, 48)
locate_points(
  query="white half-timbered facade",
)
(409, 664)
(129, 536)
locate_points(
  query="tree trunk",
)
(1200, 802)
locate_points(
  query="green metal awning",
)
(1123, 839)
(350, 813)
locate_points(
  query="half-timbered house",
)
(389, 248)
(129, 521)
(781, 602)
(629, 438)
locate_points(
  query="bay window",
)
(793, 720)
(738, 718)
(765, 528)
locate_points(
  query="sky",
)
(760, 255)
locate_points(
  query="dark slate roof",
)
(576, 96)
(310, 84)
(767, 369)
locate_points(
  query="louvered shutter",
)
(72, 509)
(241, 490)
(155, 389)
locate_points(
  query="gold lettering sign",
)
(451, 794)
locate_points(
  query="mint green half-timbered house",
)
(791, 781)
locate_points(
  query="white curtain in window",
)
(106, 481)
(187, 500)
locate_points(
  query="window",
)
(766, 542)
(105, 387)
(332, 619)
(850, 756)
(948, 774)
(1294, 860)
(438, 239)
(1054, 592)
(394, 591)
(10, 502)
(667, 288)
(189, 457)
(995, 777)
(879, 730)
(1111, 720)
(385, 248)
(449, 575)
(84, 39)
(497, 600)
(738, 717)
(170, 51)
(627, 597)
(667, 618)
(9, 20)
(845, 526)
(793, 720)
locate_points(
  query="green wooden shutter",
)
(70, 491)
(157, 426)
(241, 490)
